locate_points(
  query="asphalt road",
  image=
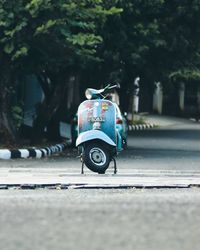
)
(109, 218)
(175, 147)
(100, 219)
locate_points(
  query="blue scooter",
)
(98, 139)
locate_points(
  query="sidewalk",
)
(57, 178)
(163, 120)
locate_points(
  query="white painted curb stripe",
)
(24, 153)
(5, 154)
(141, 126)
(32, 152)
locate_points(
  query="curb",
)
(7, 154)
(61, 186)
(141, 126)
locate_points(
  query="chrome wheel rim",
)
(97, 156)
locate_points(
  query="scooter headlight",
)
(88, 94)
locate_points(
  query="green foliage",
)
(50, 39)
(180, 29)
(156, 39)
(152, 38)
(17, 115)
(26, 27)
(84, 39)
(186, 75)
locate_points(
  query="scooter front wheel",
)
(96, 157)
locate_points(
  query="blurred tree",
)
(51, 39)
(129, 41)
(182, 34)
(156, 39)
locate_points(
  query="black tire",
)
(96, 156)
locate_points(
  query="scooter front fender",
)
(92, 135)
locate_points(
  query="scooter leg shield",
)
(94, 135)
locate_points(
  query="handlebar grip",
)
(112, 87)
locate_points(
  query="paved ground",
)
(73, 179)
(165, 121)
(100, 219)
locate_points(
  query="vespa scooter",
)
(98, 140)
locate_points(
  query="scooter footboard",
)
(92, 135)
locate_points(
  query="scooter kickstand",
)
(82, 167)
(115, 165)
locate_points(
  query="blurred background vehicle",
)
(122, 125)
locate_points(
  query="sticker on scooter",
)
(97, 119)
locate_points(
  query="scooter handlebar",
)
(94, 93)
(109, 86)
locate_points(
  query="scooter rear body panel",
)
(102, 112)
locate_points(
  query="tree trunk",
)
(45, 112)
(39, 125)
(7, 130)
(7, 136)
(49, 112)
